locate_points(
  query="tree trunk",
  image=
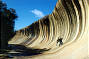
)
(4, 35)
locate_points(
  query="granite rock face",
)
(65, 32)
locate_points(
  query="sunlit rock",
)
(65, 32)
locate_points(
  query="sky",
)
(29, 11)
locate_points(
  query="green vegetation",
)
(7, 20)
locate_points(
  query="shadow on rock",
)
(20, 50)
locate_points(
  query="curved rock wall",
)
(64, 32)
